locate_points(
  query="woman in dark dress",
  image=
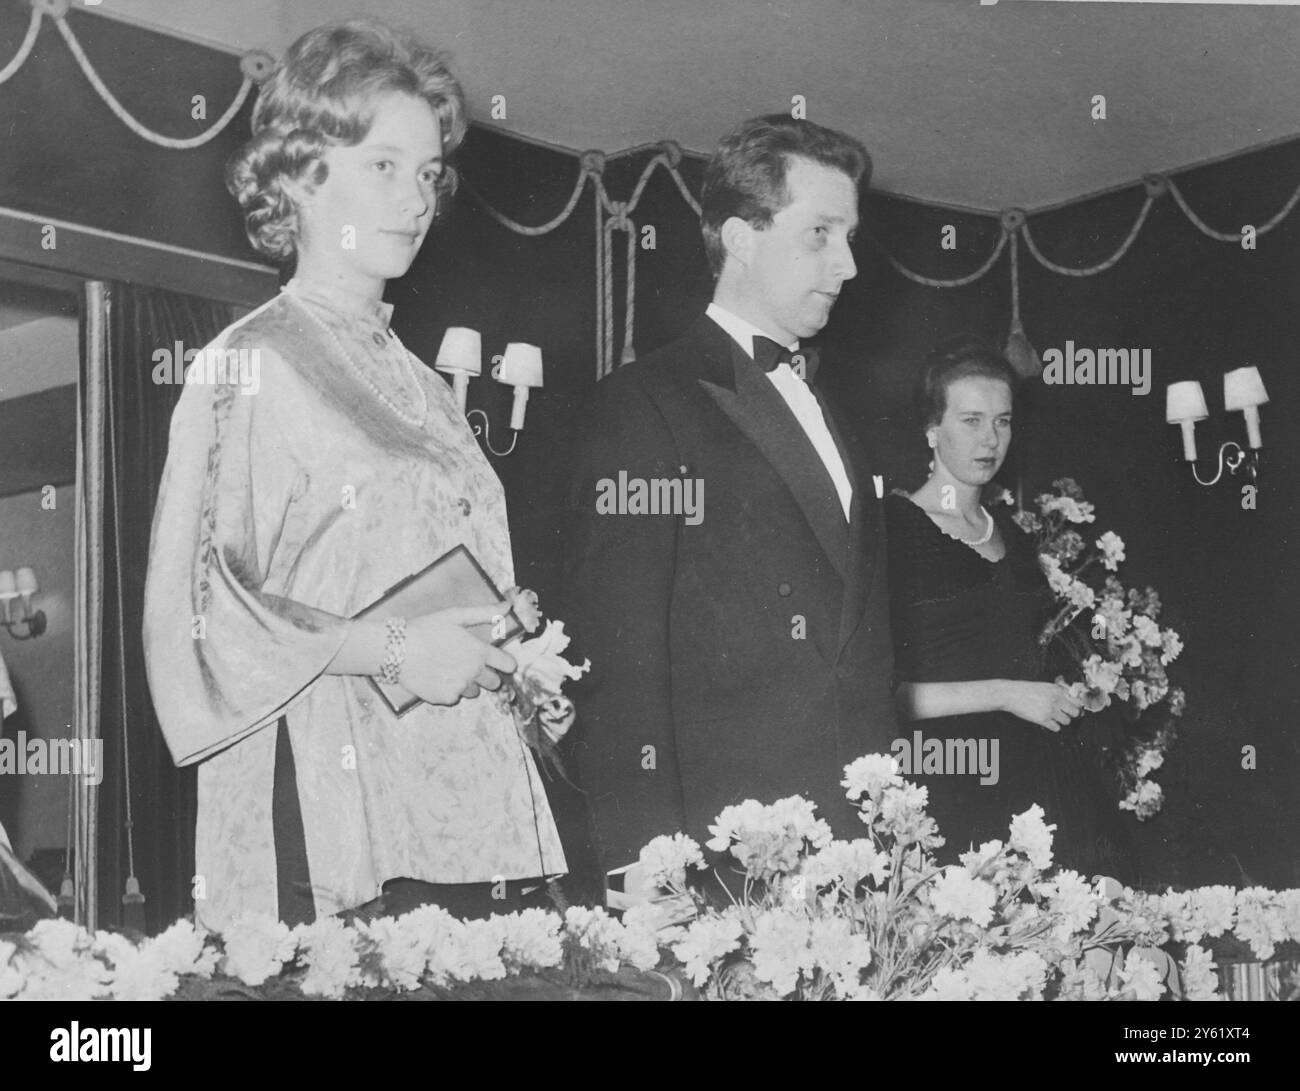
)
(968, 600)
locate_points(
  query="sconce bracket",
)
(1234, 462)
(34, 623)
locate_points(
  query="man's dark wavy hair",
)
(746, 176)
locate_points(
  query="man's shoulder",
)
(672, 364)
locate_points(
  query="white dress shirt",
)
(801, 400)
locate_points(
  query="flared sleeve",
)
(224, 655)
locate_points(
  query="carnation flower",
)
(597, 933)
(1144, 799)
(870, 775)
(769, 839)
(665, 860)
(1147, 631)
(184, 950)
(1101, 674)
(779, 949)
(1114, 617)
(401, 948)
(531, 939)
(1289, 903)
(1112, 550)
(58, 966)
(139, 972)
(959, 895)
(476, 953)
(1027, 521)
(1130, 653)
(847, 862)
(991, 976)
(1075, 511)
(902, 813)
(1260, 921)
(1213, 908)
(1141, 976)
(256, 947)
(1148, 760)
(1080, 595)
(1069, 545)
(1031, 836)
(328, 947)
(1057, 578)
(1072, 901)
(1171, 646)
(706, 941)
(638, 940)
(841, 954)
(1200, 982)
(977, 859)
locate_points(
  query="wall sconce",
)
(461, 357)
(21, 584)
(1243, 390)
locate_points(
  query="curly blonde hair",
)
(323, 93)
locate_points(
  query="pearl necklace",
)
(987, 536)
(406, 418)
(983, 539)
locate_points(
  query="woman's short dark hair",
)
(323, 93)
(963, 357)
(746, 176)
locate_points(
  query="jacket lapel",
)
(863, 513)
(756, 407)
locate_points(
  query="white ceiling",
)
(974, 105)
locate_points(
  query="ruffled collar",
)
(340, 300)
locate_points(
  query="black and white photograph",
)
(584, 500)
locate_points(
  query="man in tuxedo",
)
(725, 570)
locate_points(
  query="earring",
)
(930, 439)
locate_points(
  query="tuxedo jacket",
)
(744, 654)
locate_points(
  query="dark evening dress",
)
(959, 617)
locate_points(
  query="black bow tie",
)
(769, 356)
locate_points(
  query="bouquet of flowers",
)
(535, 692)
(877, 919)
(1112, 634)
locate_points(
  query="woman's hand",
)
(1047, 704)
(445, 662)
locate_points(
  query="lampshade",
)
(462, 350)
(1242, 388)
(8, 585)
(1185, 401)
(25, 578)
(520, 366)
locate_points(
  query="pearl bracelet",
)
(394, 650)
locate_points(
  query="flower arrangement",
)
(1112, 634)
(816, 918)
(876, 919)
(535, 692)
(425, 950)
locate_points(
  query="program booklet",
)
(454, 579)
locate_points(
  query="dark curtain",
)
(161, 797)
